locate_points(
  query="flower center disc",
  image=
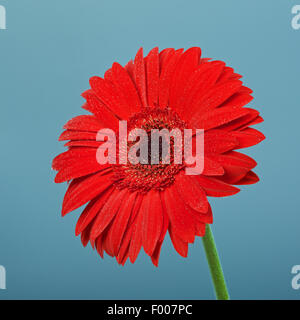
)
(143, 176)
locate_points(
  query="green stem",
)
(215, 265)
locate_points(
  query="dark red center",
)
(144, 177)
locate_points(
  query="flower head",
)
(134, 205)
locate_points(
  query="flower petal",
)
(203, 79)
(165, 78)
(83, 143)
(136, 238)
(81, 191)
(125, 244)
(79, 169)
(179, 245)
(108, 212)
(240, 122)
(156, 252)
(71, 156)
(152, 67)
(95, 106)
(202, 218)
(129, 67)
(216, 188)
(152, 220)
(257, 120)
(233, 173)
(111, 97)
(85, 235)
(234, 158)
(217, 117)
(84, 123)
(212, 168)
(120, 223)
(187, 63)
(214, 98)
(140, 76)
(99, 245)
(122, 80)
(180, 219)
(248, 137)
(91, 210)
(218, 141)
(165, 56)
(227, 74)
(237, 100)
(191, 192)
(77, 135)
(249, 178)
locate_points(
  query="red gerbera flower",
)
(133, 206)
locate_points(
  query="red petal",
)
(108, 212)
(83, 143)
(85, 236)
(91, 210)
(242, 121)
(204, 60)
(228, 73)
(84, 123)
(166, 77)
(257, 120)
(125, 245)
(79, 169)
(237, 100)
(202, 80)
(136, 238)
(120, 223)
(152, 77)
(165, 56)
(112, 98)
(216, 188)
(130, 69)
(233, 174)
(187, 63)
(215, 97)
(218, 141)
(77, 135)
(200, 229)
(73, 155)
(202, 218)
(179, 245)
(180, 219)
(140, 77)
(99, 245)
(108, 75)
(81, 191)
(123, 81)
(151, 210)
(217, 117)
(106, 244)
(212, 168)
(165, 226)
(248, 137)
(191, 192)
(94, 105)
(250, 178)
(236, 159)
(245, 90)
(156, 252)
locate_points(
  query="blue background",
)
(47, 54)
